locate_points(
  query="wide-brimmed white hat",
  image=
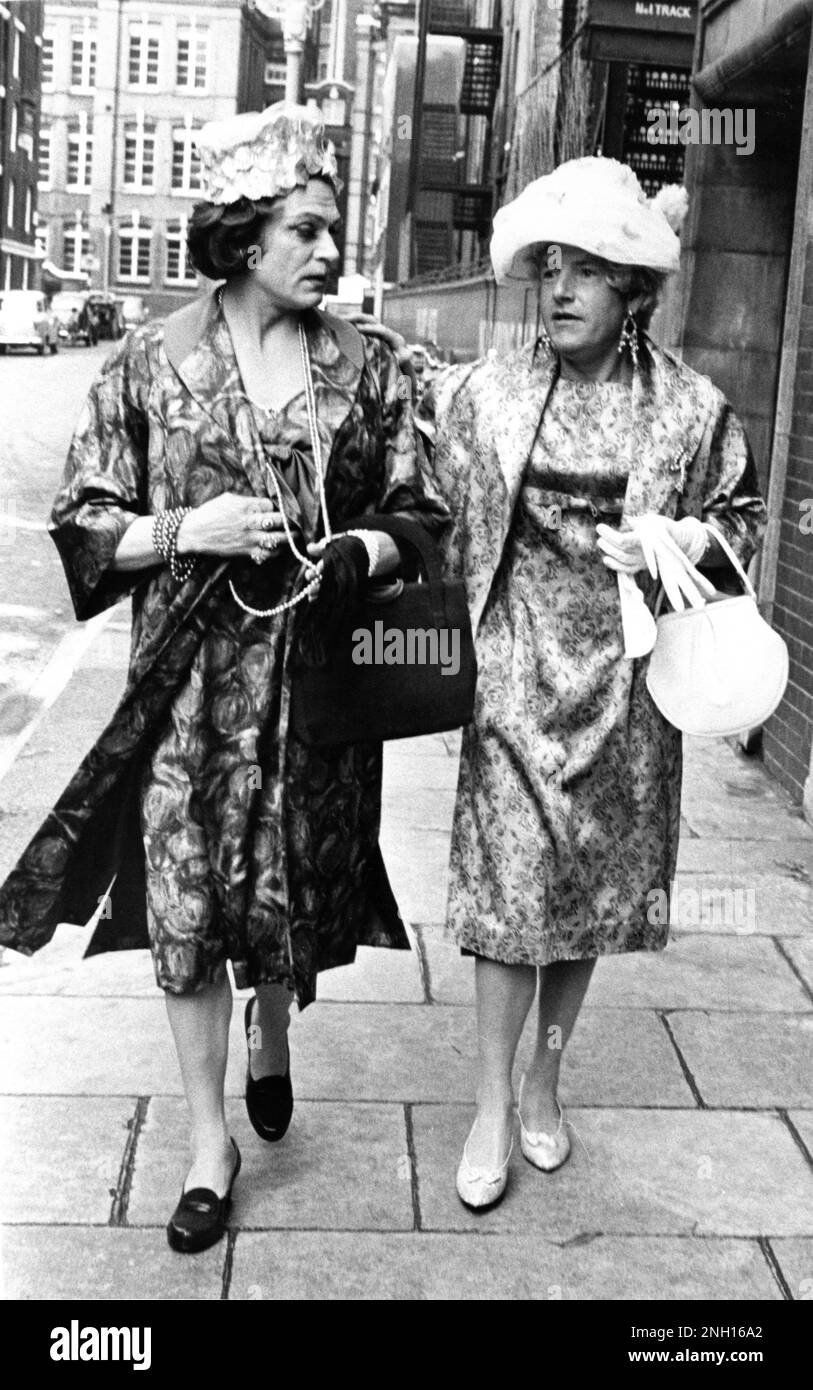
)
(265, 154)
(596, 204)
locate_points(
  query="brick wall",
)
(789, 734)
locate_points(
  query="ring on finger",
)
(258, 556)
(268, 523)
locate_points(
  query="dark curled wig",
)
(634, 280)
(221, 235)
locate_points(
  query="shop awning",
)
(764, 71)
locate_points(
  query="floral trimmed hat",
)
(597, 205)
(265, 154)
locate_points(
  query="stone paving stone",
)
(748, 1059)
(423, 1265)
(801, 953)
(60, 969)
(631, 1172)
(79, 1046)
(417, 1053)
(339, 1166)
(376, 975)
(796, 1263)
(61, 1156)
(700, 971)
(765, 817)
(104, 1264)
(803, 1122)
(417, 862)
(792, 857)
(741, 904)
(451, 975)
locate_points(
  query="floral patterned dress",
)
(568, 806)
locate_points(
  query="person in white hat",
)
(580, 471)
(215, 455)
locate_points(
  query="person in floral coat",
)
(192, 484)
(567, 816)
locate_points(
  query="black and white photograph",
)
(406, 664)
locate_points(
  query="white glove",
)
(667, 549)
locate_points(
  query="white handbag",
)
(718, 669)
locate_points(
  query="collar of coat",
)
(198, 347)
(675, 408)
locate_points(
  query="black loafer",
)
(269, 1101)
(199, 1220)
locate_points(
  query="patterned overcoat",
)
(165, 425)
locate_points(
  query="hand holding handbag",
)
(718, 668)
(401, 662)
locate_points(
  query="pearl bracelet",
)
(165, 528)
(372, 545)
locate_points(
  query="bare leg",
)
(504, 995)
(268, 1042)
(562, 987)
(200, 1027)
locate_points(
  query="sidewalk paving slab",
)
(433, 1266)
(795, 1257)
(631, 1172)
(341, 1166)
(790, 859)
(750, 1060)
(803, 1122)
(801, 953)
(697, 970)
(104, 1264)
(79, 1138)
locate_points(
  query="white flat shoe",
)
(545, 1151)
(479, 1188)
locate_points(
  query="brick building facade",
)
(20, 73)
(747, 310)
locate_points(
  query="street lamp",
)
(295, 17)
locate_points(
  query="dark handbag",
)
(402, 661)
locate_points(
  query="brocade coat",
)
(166, 425)
(567, 815)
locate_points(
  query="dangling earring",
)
(545, 339)
(629, 339)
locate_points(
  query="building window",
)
(135, 240)
(28, 208)
(47, 60)
(143, 56)
(12, 134)
(15, 54)
(179, 268)
(44, 157)
(80, 153)
(83, 59)
(192, 59)
(185, 160)
(139, 154)
(75, 244)
(10, 207)
(42, 238)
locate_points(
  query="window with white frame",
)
(28, 210)
(47, 60)
(83, 58)
(10, 204)
(139, 154)
(135, 248)
(185, 160)
(142, 55)
(15, 53)
(75, 243)
(42, 237)
(12, 134)
(179, 268)
(44, 157)
(80, 153)
(192, 59)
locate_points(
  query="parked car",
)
(26, 321)
(134, 310)
(77, 318)
(109, 318)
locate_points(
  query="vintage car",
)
(26, 321)
(109, 318)
(77, 317)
